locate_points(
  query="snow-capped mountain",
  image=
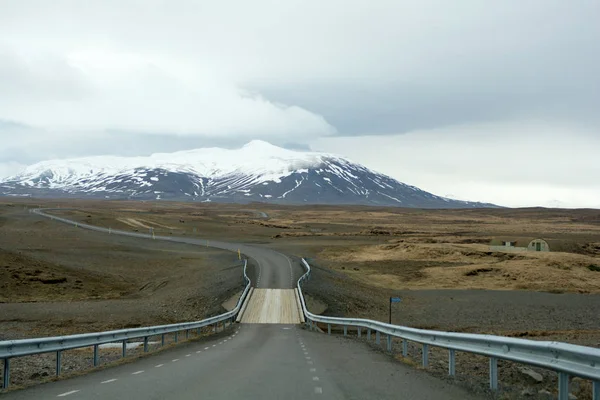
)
(258, 171)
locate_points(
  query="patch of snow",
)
(388, 196)
(298, 183)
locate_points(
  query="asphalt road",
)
(265, 361)
(256, 361)
(275, 270)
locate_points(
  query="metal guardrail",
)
(18, 348)
(566, 359)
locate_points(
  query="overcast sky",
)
(490, 101)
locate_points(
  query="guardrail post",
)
(425, 355)
(6, 373)
(389, 343)
(124, 348)
(176, 337)
(377, 337)
(369, 334)
(215, 328)
(187, 333)
(95, 355)
(329, 329)
(451, 362)
(404, 347)
(198, 332)
(359, 331)
(563, 386)
(145, 344)
(345, 330)
(58, 360)
(493, 373)
(162, 339)
(596, 390)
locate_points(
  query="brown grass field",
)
(385, 249)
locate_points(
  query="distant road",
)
(254, 361)
(276, 270)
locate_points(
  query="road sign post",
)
(393, 300)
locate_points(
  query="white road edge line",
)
(67, 393)
(137, 372)
(109, 381)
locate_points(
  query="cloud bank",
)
(134, 77)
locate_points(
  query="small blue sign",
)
(395, 299)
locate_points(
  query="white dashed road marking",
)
(315, 378)
(188, 355)
(158, 366)
(199, 351)
(137, 372)
(214, 345)
(175, 360)
(313, 370)
(206, 348)
(108, 381)
(67, 393)
(318, 390)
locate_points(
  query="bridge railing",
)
(566, 359)
(17, 348)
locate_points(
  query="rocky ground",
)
(531, 315)
(437, 261)
(56, 279)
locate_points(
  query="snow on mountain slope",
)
(258, 171)
(257, 157)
